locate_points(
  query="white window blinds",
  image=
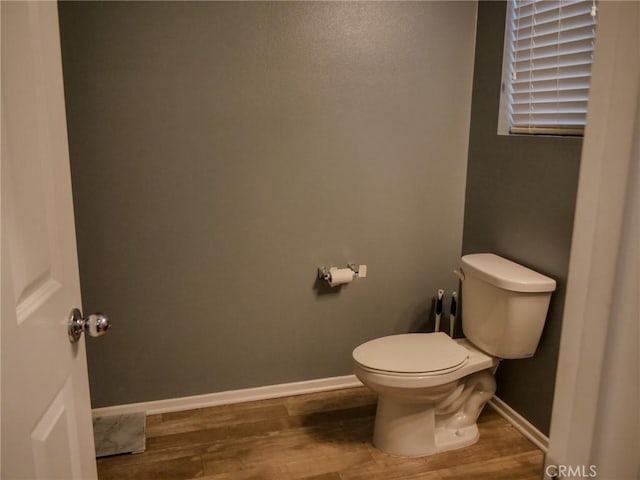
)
(551, 52)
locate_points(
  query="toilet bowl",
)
(432, 388)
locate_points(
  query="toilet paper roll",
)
(340, 276)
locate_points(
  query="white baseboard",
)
(233, 396)
(521, 424)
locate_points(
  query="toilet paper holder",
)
(323, 272)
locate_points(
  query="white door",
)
(46, 413)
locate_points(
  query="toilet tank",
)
(504, 305)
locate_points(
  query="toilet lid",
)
(411, 353)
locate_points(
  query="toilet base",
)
(451, 439)
(409, 430)
(413, 429)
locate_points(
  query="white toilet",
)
(431, 388)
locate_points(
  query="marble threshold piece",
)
(114, 434)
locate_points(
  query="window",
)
(547, 66)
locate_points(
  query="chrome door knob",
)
(94, 325)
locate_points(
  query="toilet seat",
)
(412, 354)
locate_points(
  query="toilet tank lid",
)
(506, 274)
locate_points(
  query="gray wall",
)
(221, 151)
(520, 202)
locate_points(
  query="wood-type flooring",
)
(319, 436)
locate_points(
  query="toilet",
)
(432, 388)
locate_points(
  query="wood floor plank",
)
(149, 456)
(251, 473)
(525, 466)
(205, 418)
(329, 401)
(398, 468)
(188, 439)
(319, 436)
(278, 448)
(184, 468)
(328, 464)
